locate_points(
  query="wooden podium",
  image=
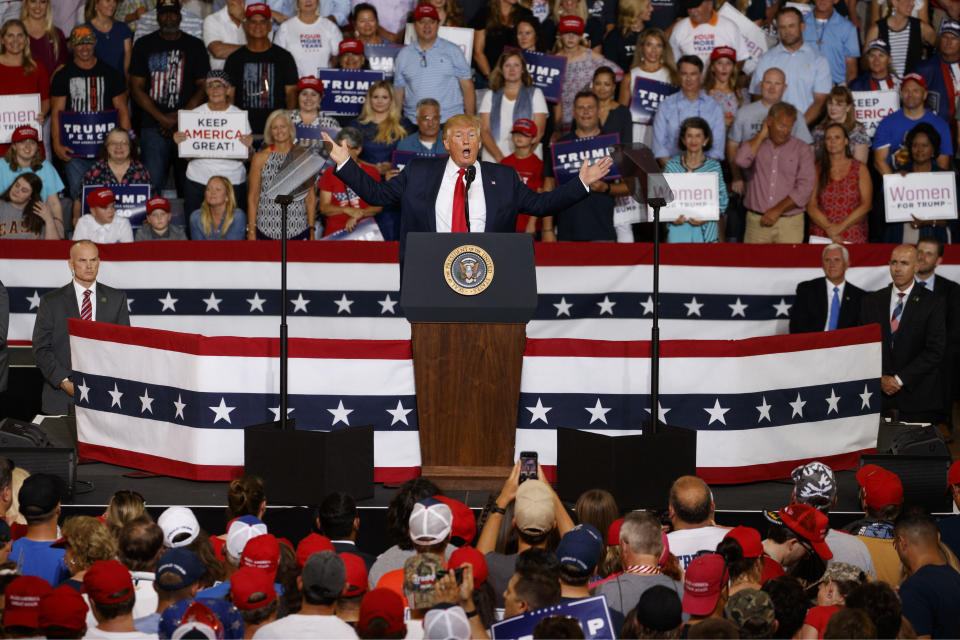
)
(468, 297)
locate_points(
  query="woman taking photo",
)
(117, 163)
(695, 140)
(382, 126)
(23, 157)
(19, 73)
(620, 45)
(218, 218)
(840, 111)
(653, 60)
(512, 96)
(310, 39)
(843, 193)
(114, 38)
(278, 136)
(582, 62)
(494, 30)
(23, 215)
(614, 117)
(48, 46)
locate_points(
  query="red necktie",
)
(86, 309)
(459, 222)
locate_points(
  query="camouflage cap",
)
(419, 575)
(844, 571)
(752, 609)
(814, 484)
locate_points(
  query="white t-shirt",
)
(644, 132)
(300, 626)
(505, 141)
(99, 634)
(89, 229)
(219, 27)
(310, 44)
(146, 595)
(701, 40)
(685, 543)
(202, 169)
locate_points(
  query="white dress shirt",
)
(830, 286)
(78, 290)
(89, 229)
(444, 204)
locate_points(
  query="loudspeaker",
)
(898, 438)
(300, 467)
(58, 461)
(46, 448)
(17, 433)
(924, 478)
(638, 470)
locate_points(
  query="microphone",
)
(470, 176)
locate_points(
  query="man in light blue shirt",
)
(690, 101)
(807, 70)
(435, 68)
(835, 37)
(426, 139)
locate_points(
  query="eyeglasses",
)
(423, 59)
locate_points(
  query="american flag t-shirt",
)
(166, 77)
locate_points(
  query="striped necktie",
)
(86, 309)
(895, 319)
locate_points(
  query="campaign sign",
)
(18, 110)
(131, 201)
(647, 96)
(83, 132)
(591, 613)
(753, 36)
(382, 58)
(402, 158)
(213, 134)
(345, 90)
(547, 72)
(870, 107)
(366, 229)
(695, 195)
(570, 154)
(925, 196)
(460, 36)
(306, 132)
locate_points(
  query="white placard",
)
(17, 111)
(925, 196)
(695, 195)
(460, 36)
(870, 107)
(753, 36)
(213, 134)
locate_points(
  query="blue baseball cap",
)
(580, 548)
(182, 563)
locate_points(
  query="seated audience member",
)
(931, 592)
(200, 170)
(338, 518)
(201, 618)
(753, 613)
(39, 500)
(691, 100)
(398, 526)
(253, 594)
(695, 140)
(658, 614)
(881, 498)
(879, 75)
(222, 32)
(124, 506)
(62, 613)
(705, 588)
(312, 40)
(218, 217)
(23, 214)
(836, 584)
(381, 124)
(156, 226)
(882, 606)
(482, 595)
(102, 225)
(341, 207)
(108, 585)
(530, 169)
(843, 192)
(790, 604)
(557, 626)
(381, 615)
(26, 156)
(426, 139)
(921, 144)
(578, 552)
(824, 304)
(351, 55)
(117, 163)
(529, 590)
(847, 624)
(796, 539)
(140, 543)
(742, 550)
(512, 96)
(179, 525)
(22, 598)
(85, 540)
(307, 113)
(691, 516)
(176, 578)
(949, 526)
(431, 523)
(780, 179)
(348, 604)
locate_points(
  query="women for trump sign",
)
(924, 196)
(695, 196)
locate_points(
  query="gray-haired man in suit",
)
(83, 298)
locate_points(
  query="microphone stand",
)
(468, 179)
(284, 202)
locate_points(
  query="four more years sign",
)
(213, 134)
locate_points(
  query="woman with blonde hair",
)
(85, 541)
(512, 96)
(124, 506)
(114, 38)
(621, 43)
(382, 125)
(218, 217)
(593, 30)
(19, 72)
(721, 82)
(278, 136)
(582, 62)
(48, 46)
(653, 60)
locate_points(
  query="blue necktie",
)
(834, 310)
(895, 319)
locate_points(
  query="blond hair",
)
(390, 130)
(90, 540)
(461, 120)
(279, 113)
(667, 58)
(628, 13)
(48, 27)
(17, 476)
(29, 66)
(581, 12)
(206, 215)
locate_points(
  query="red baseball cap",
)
(351, 45)
(108, 582)
(62, 607)
(381, 603)
(258, 8)
(157, 202)
(953, 475)
(916, 77)
(880, 486)
(469, 554)
(25, 132)
(749, 539)
(464, 521)
(807, 522)
(262, 552)
(425, 11)
(22, 599)
(613, 533)
(310, 82)
(251, 589)
(101, 197)
(571, 24)
(705, 577)
(723, 52)
(356, 569)
(525, 126)
(313, 543)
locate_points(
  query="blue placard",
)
(547, 72)
(647, 95)
(345, 90)
(382, 57)
(570, 154)
(592, 613)
(83, 132)
(401, 159)
(366, 229)
(307, 132)
(131, 201)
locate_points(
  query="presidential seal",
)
(468, 270)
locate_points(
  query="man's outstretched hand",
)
(590, 173)
(338, 152)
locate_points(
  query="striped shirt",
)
(190, 23)
(899, 44)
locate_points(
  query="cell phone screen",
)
(528, 465)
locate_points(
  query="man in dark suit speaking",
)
(434, 194)
(83, 298)
(914, 340)
(828, 302)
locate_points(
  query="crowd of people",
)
(451, 574)
(780, 130)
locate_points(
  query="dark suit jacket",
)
(949, 292)
(346, 547)
(809, 310)
(415, 191)
(916, 353)
(51, 338)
